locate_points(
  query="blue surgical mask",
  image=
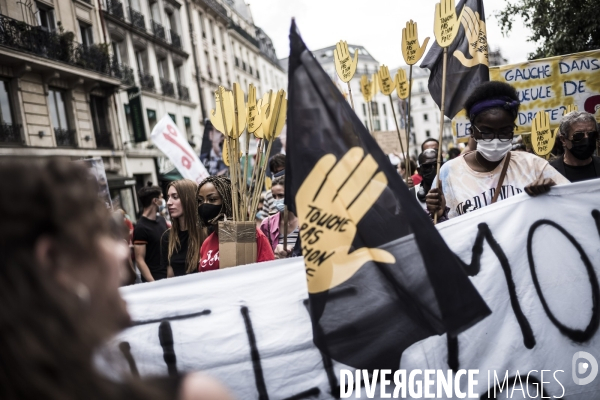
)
(278, 204)
(162, 205)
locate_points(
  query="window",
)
(387, 128)
(201, 18)
(58, 114)
(364, 109)
(212, 33)
(116, 48)
(178, 73)
(5, 107)
(218, 69)
(237, 62)
(87, 38)
(425, 117)
(99, 108)
(188, 126)
(384, 110)
(250, 69)
(141, 61)
(244, 65)
(173, 118)
(377, 124)
(45, 16)
(163, 69)
(151, 118)
(427, 133)
(421, 87)
(374, 109)
(366, 126)
(58, 110)
(423, 100)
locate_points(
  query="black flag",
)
(380, 276)
(468, 64)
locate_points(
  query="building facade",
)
(150, 42)
(59, 86)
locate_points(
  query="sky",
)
(375, 24)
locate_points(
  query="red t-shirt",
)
(209, 252)
(416, 178)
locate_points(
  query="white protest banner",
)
(249, 326)
(536, 263)
(169, 139)
(549, 84)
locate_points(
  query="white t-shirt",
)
(466, 190)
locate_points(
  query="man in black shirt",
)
(147, 234)
(578, 133)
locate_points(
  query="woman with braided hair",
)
(214, 205)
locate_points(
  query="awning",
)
(116, 181)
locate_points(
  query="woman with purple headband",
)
(470, 182)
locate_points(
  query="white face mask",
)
(495, 150)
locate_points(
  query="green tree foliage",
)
(559, 26)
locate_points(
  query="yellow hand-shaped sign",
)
(274, 116)
(401, 84)
(477, 37)
(385, 81)
(570, 108)
(239, 109)
(345, 65)
(331, 202)
(254, 116)
(411, 50)
(446, 23)
(375, 85)
(222, 116)
(366, 88)
(542, 137)
(226, 153)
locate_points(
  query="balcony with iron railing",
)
(54, 45)
(184, 92)
(64, 137)
(217, 8)
(175, 39)
(115, 8)
(168, 89)
(147, 82)
(104, 140)
(137, 19)
(124, 73)
(10, 134)
(158, 30)
(243, 33)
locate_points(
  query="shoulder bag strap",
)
(501, 180)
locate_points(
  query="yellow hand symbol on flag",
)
(332, 200)
(477, 38)
(401, 84)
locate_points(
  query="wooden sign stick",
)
(445, 26)
(350, 95)
(398, 128)
(407, 124)
(442, 109)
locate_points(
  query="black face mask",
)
(428, 174)
(208, 212)
(584, 149)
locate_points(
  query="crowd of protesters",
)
(494, 165)
(63, 257)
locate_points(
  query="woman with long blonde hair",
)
(180, 245)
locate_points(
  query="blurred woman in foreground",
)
(60, 271)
